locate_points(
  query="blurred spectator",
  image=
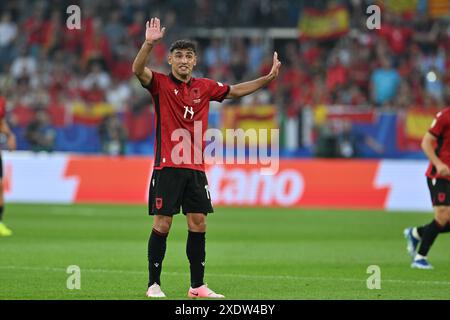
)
(52, 33)
(112, 136)
(255, 54)
(8, 30)
(32, 28)
(396, 34)
(136, 29)
(114, 29)
(96, 47)
(404, 98)
(40, 134)
(216, 52)
(137, 121)
(326, 142)
(8, 33)
(95, 84)
(24, 66)
(384, 82)
(58, 113)
(336, 74)
(238, 62)
(118, 95)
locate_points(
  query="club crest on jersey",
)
(195, 95)
(158, 203)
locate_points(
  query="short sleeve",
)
(218, 91)
(155, 84)
(438, 125)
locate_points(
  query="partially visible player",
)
(436, 145)
(11, 142)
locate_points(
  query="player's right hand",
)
(443, 170)
(153, 31)
(275, 67)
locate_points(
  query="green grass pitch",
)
(251, 254)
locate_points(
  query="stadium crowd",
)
(46, 67)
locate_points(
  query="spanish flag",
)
(412, 126)
(255, 117)
(324, 24)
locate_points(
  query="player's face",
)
(182, 61)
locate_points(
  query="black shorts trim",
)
(439, 191)
(172, 189)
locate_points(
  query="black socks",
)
(156, 252)
(444, 229)
(429, 233)
(1, 213)
(195, 251)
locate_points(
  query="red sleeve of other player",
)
(439, 124)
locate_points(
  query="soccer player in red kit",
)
(11, 143)
(436, 145)
(181, 103)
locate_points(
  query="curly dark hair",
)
(184, 44)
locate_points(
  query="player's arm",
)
(428, 143)
(153, 33)
(11, 138)
(245, 88)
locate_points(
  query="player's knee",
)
(442, 214)
(162, 227)
(197, 223)
(446, 216)
(162, 224)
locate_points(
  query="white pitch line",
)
(243, 276)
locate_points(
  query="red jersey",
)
(440, 128)
(179, 108)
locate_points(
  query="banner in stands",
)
(299, 183)
(412, 126)
(324, 24)
(254, 117)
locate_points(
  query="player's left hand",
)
(275, 67)
(11, 142)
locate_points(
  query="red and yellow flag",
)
(323, 24)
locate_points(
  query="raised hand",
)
(275, 67)
(153, 31)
